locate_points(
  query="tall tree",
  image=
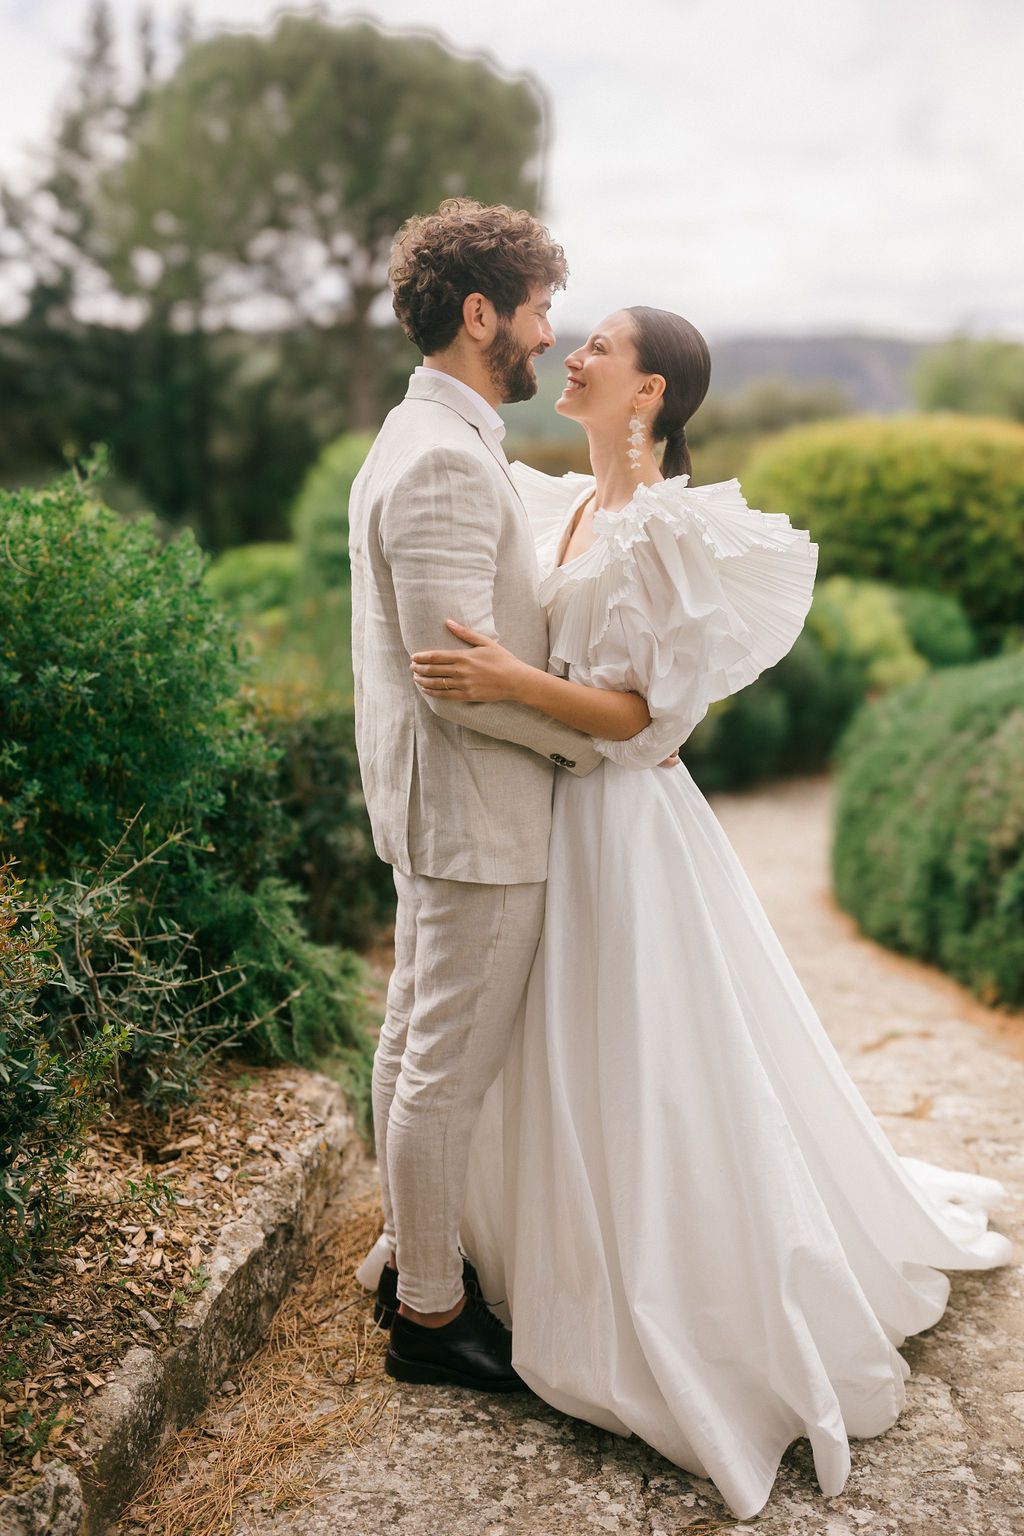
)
(54, 225)
(277, 168)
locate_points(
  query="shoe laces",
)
(483, 1311)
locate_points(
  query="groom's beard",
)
(508, 363)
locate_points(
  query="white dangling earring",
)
(637, 438)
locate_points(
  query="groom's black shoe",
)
(473, 1350)
(386, 1305)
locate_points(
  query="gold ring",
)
(447, 684)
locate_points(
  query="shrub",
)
(919, 501)
(321, 610)
(47, 1096)
(929, 843)
(937, 626)
(118, 679)
(856, 642)
(121, 686)
(331, 854)
(319, 515)
(254, 578)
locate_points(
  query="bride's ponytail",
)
(669, 345)
(676, 458)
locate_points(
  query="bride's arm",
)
(485, 671)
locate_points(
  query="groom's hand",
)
(670, 762)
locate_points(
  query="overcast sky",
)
(757, 165)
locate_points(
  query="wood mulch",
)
(149, 1199)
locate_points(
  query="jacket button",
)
(568, 762)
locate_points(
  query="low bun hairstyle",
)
(669, 345)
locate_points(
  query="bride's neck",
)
(616, 479)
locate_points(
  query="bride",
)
(701, 1234)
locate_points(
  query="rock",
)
(52, 1507)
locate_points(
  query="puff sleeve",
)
(697, 596)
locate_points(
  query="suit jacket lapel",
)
(438, 389)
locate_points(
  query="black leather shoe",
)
(386, 1305)
(473, 1350)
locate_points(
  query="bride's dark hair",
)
(669, 345)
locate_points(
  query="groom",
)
(459, 794)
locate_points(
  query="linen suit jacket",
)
(455, 790)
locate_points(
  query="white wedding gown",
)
(701, 1234)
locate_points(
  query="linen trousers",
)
(463, 953)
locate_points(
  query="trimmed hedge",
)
(931, 501)
(929, 840)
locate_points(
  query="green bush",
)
(254, 578)
(319, 515)
(119, 678)
(47, 1096)
(860, 638)
(331, 853)
(920, 501)
(121, 687)
(321, 609)
(929, 841)
(937, 626)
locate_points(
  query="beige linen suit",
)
(459, 797)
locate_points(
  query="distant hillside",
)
(874, 372)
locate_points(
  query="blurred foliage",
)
(763, 406)
(319, 516)
(252, 578)
(929, 843)
(921, 501)
(980, 378)
(314, 643)
(267, 169)
(860, 638)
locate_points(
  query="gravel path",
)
(946, 1078)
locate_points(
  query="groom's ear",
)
(479, 316)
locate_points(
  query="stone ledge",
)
(153, 1395)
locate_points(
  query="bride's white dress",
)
(701, 1233)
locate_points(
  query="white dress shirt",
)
(491, 415)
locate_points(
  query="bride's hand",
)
(482, 674)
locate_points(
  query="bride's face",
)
(604, 380)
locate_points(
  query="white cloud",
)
(758, 164)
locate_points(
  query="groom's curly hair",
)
(438, 259)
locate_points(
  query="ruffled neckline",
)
(760, 557)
